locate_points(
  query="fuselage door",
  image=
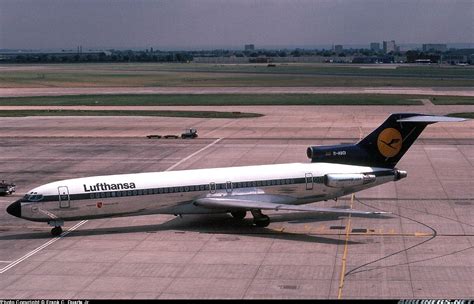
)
(212, 188)
(309, 181)
(228, 187)
(63, 197)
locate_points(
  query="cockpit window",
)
(33, 197)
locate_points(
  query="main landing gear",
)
(259, 219)
(239, 214)
(57, 230)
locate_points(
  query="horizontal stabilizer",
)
(430, 119)
(235, 203)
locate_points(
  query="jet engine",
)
(342, 180)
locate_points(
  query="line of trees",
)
(360, 55)
(116, 56)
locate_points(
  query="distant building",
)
(249, 47)
(434, 47)
(376, 59)
(338, 48)
(455, 58)
(375, 46)
(260, 59)
(389, 46)
(423, 61)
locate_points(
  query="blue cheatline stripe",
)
(177, 189)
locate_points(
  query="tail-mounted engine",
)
(343, 180)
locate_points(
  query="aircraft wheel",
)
(240, 215)
(263, 221)
(56, 231)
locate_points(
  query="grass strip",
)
(452, 100)
(213, 100)
(192, 114)
(468, 115)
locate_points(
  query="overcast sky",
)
(36, 24)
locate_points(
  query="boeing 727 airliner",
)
(334, 171)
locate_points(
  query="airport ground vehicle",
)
(6, 188)
(151, 136)
(189, 133)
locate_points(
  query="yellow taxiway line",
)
(344, 256)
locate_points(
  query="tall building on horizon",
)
(375, 46)
(338, 48)
(390, 46)
(249, 47)
(440, 47)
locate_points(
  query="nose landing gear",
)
(57, 230)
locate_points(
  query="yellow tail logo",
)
(389, 142)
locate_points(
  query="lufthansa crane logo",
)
(389, 142)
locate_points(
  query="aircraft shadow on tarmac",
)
(214, 223)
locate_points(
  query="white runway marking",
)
(194, 154)
(31, 253)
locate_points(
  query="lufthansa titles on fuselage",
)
(106, 186)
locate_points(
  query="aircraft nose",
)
(15, 209)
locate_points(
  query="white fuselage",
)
(175, 192)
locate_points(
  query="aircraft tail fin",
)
(385, 146)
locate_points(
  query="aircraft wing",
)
(236, 203)
(430, 119)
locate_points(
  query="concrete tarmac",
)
(423, 250)
(292, 122)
